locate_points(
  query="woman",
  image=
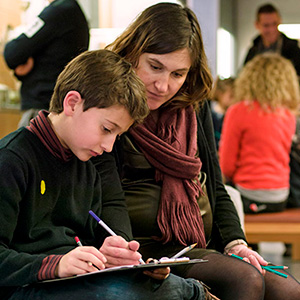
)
(168, 163)
(258, 130)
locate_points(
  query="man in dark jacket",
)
(39, 54)
(270, 39)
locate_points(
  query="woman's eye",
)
(155, 67)
(178, 75)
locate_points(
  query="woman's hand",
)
(119, 252)
(80, 260)
(157, 273)
(249, 256)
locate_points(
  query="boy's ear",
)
(71, 101)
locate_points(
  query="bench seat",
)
(275, 227)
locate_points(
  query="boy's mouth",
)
(93, 153)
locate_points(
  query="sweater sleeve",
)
(226, 227)
(114, 209)
(44, 28)
(230, 140)
(47, 270)
(291, 51)
(17, 268)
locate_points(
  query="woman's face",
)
(163, 75)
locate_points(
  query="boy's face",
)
(91, 132)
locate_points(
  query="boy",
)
(48, 185)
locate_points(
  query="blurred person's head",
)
(223, 92)
(269, 79)
(267, 21)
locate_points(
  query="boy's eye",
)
(106, 130)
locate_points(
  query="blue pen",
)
(101, 223)
(106, 228)
(271, 270)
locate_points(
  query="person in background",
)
(40, 53)
(222, 98)
(169, 165)
(294, 195)
(258, 130)
(50, 185)
(271, 39)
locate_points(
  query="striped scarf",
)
(41, 127)
(170, 145)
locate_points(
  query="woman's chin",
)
(154, 105)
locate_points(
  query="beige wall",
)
(10, 15)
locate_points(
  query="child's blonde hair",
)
(271, 80)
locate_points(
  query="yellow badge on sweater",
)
(43, 187)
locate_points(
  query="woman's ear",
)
(71, 101)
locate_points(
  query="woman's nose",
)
(162, 83)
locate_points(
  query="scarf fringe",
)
(188, 230)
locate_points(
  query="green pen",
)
(278, 267)
(267, 268)
(274, 271)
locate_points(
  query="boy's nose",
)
(108, 144)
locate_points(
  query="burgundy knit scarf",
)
(170, 145)
(41, 127)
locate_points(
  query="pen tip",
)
(76, 239)
(94, 216)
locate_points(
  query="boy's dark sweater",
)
(44, 203)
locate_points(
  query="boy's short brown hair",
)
(103, 79)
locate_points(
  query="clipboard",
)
(159, 264)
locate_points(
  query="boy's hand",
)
(80, 260)
(119, 252)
